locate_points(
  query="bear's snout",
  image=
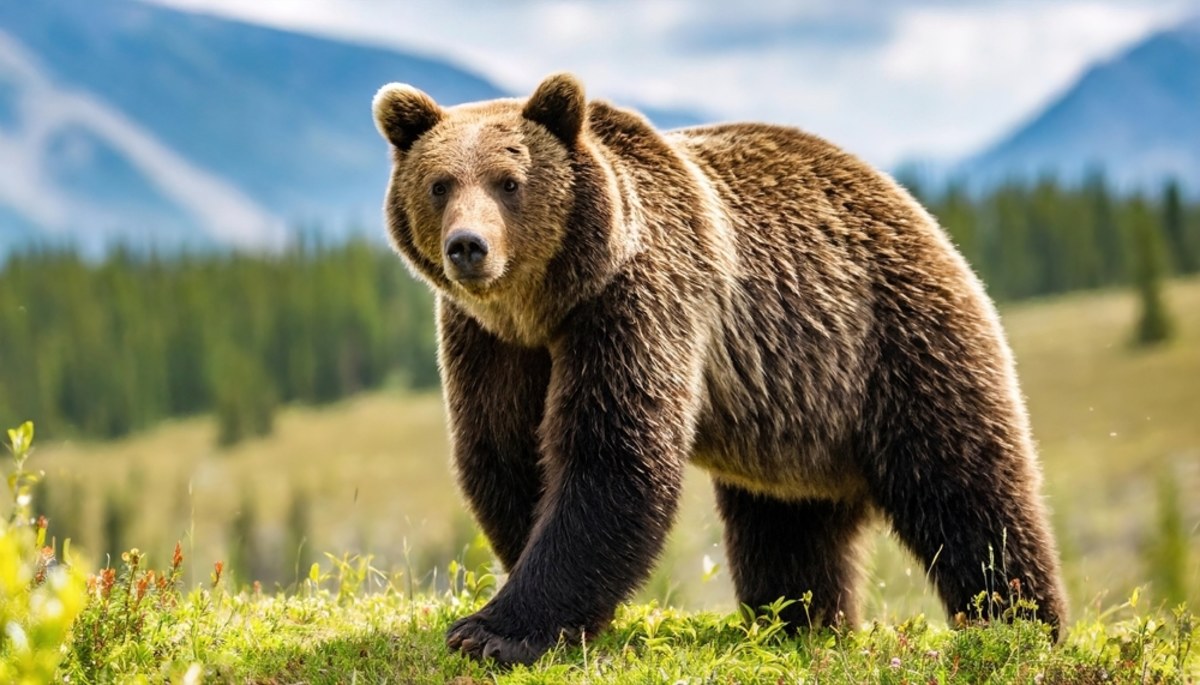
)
(466, 252)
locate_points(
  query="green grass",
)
(356, 623)
(331, 632)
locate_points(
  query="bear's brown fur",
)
(613, 302)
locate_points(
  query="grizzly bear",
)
(614, 302)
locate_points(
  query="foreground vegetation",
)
(349, 622)
(336, 635)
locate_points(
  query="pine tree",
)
(1154, 323)
(1184, 253)
(1106, 229)
(246, 400)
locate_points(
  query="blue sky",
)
(888, 79)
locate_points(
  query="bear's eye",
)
(510, 185)
(438, 189)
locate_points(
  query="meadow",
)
(1118, 430)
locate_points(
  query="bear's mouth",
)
(477, 284)
(472, 283)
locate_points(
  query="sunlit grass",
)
(326, 634)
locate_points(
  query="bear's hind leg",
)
(778, 548)
(965, 501)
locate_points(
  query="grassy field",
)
(322, 635)
(1112, 424)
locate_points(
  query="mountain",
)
(77, 170)
(130, 122)
(1137, 116)
(135, 123)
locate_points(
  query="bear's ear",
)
(403, 113)
(559, 105)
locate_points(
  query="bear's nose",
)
(465, 249)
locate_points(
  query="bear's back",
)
(763, 165)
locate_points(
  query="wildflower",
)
(45, 562)
(217, 569)
(108, 578)
(177, 558)
(895, 662)
(132, 558)
(143, 583)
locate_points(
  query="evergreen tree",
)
(245, 397)
(957, 214)
(1185, 254)
(1107, 231)
(1154, 323)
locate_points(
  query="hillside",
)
(1134, 116)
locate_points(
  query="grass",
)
(331, 632)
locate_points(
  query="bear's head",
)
(481, 194)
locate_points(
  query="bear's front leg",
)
(495, 395)
(618, 418)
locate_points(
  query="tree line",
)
(1031, 240)
(103, 349)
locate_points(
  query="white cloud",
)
(924, 77)
(986, 68)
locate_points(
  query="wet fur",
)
(746, 297)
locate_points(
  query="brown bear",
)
(614, 302)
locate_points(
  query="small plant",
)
(468, 587)
(124, 609)
(40, 596)
(352, 572)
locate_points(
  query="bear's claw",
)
(473, 637)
